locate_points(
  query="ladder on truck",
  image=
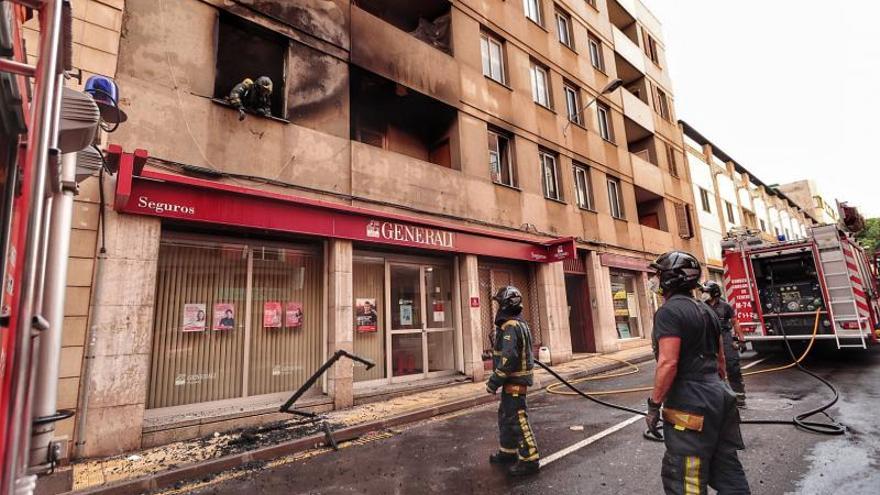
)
(843, 306)
(39, 168)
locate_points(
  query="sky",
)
(790, 89)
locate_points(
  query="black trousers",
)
(515, 431)
(734, 372)
(695, 460)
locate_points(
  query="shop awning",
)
(184, 198)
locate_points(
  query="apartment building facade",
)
(418, 156)
(810, 198)
(729, 197)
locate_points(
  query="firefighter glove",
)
(652, 418)
(491, 387)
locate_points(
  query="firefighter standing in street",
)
(701, 421)
(732, 335)
(512, 364)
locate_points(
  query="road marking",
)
(753, 363)
(587, 441)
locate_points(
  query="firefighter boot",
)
(524, 468)
(502, 458)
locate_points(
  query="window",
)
(493, 57)
(563, 29)
(583, 187)
(217, 297)
(650, 47)
(670, 159)
(532, 9)
(614, 199)
(683, 219)
(246, 50)
(763, 226)
(596, 57)
(551, 176)
(500, 158)
(604, 114)
(704, 197)
(573, 103)
(592, 3)
(730, 216)
(662, 104)
(540, 85)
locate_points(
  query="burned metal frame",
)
(286, 407)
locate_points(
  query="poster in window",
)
(367, 317)
(224, 316)
(293, 315)
(271, 314)
(439, 313)
(623, 331)
(406, 314)
(194, 317)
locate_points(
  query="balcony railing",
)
(628, 50)
(637, 110)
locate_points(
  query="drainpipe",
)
(42, 457)
(92, 335)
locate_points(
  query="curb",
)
(168, 478)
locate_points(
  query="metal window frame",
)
(573, 107)
(490, 40)
(544, 156)
(563, 21)
(587, 191)
(596, 58)
(602, 113)
(615, 203)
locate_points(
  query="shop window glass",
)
(285, 319)
(626, 305)
(193, 358)
(368, 284)
(233, 320)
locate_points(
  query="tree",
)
(870, 237)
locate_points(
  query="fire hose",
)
(799, 420)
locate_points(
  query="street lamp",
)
(608, 89)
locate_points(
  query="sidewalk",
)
(167, 465)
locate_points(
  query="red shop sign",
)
(185, 198)
(623, 262)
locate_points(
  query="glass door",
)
(440, 328)
(406, 358)
(421, 340)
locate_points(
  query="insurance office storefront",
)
(241, 309)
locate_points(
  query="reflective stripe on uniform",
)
(507, 451)
(692, 475)
(528, 437)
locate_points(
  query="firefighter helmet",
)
(677, 271)
(712, 288)
(508, 297)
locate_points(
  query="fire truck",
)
(778, 290)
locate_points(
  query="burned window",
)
(683, 219)
(428, 20)
(394, 117)
(248, 51)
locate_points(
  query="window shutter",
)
(683, 218)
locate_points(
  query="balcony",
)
(646, 175)
(388, 50)
(622, 12)
(631, 54)
(388, 115)
(637, 111)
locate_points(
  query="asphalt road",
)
(449, 454)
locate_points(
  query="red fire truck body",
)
(776, 290)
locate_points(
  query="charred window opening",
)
(396, 118)
(246, 50)
(427, 20)
(651, 209)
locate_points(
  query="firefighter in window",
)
(733, 337)
(512, 362)
(252, 96)
(701, 423)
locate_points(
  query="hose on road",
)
(800, 420)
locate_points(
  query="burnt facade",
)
(462, 126)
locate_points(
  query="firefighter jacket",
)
(512, 359)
